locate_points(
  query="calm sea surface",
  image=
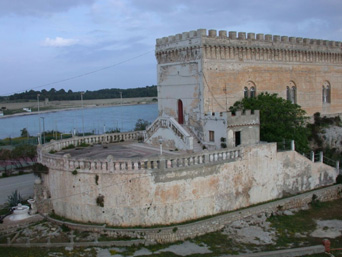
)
(96, 120)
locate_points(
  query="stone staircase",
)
(198, 147)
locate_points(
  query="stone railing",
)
(93, 139)
(132, 165)
(55, 146)
(171, 123)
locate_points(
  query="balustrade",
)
(109, 165)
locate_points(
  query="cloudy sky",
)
(44, 43)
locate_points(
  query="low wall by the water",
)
(160, 190)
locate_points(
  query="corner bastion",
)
(170, 188)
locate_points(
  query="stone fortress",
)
(200, 74)
(218, 163)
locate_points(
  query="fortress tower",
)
(200, 73)
(112, 179)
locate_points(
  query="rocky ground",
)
(281, 230)
(332, 137)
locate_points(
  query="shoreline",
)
(89, 106)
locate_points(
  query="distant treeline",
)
(53, 94)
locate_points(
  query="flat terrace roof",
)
(122, 150)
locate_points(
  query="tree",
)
(5, 161)
(141, 124)
(24, 132)
(279, 119)
(23, 153)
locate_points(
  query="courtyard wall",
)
(168, 190)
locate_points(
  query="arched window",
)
(288, 94)
(326, 92)
(291, 92)
(249, 90)
(294, 95)
(324, 95)
(252, 92)
(245, 92)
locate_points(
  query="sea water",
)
(96, 120)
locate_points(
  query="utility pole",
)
(39, 135)
(82, 112)
(121, 111)
(43, 118)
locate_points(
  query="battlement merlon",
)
(246, 118)
(202, 37)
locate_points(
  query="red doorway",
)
(180, 112)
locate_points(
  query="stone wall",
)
(226, 63)
(176, 189)
(198, 228)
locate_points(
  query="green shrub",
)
(14, 198)
(141, 124)
(39, 169)
(83, 145)
(72, 146)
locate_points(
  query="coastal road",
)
(23, 183)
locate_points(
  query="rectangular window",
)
(211, 136)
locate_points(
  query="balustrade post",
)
(312, 156)
(320, 156)
(293, 145)
(162, 164)
(206, 158)
(338, 166)
(103, 165)
(66, 161)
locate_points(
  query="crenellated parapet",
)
(246, 46)
(243, 118)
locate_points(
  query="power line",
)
(83, 74)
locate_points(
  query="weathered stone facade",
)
(167, 190)
(182, 232)
(199, 77)
(201, 73)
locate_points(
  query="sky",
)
(95, 44)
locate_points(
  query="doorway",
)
(180, 112)
(237, 138)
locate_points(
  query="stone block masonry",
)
(179, 232)
(224, 67)
(163, 191)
